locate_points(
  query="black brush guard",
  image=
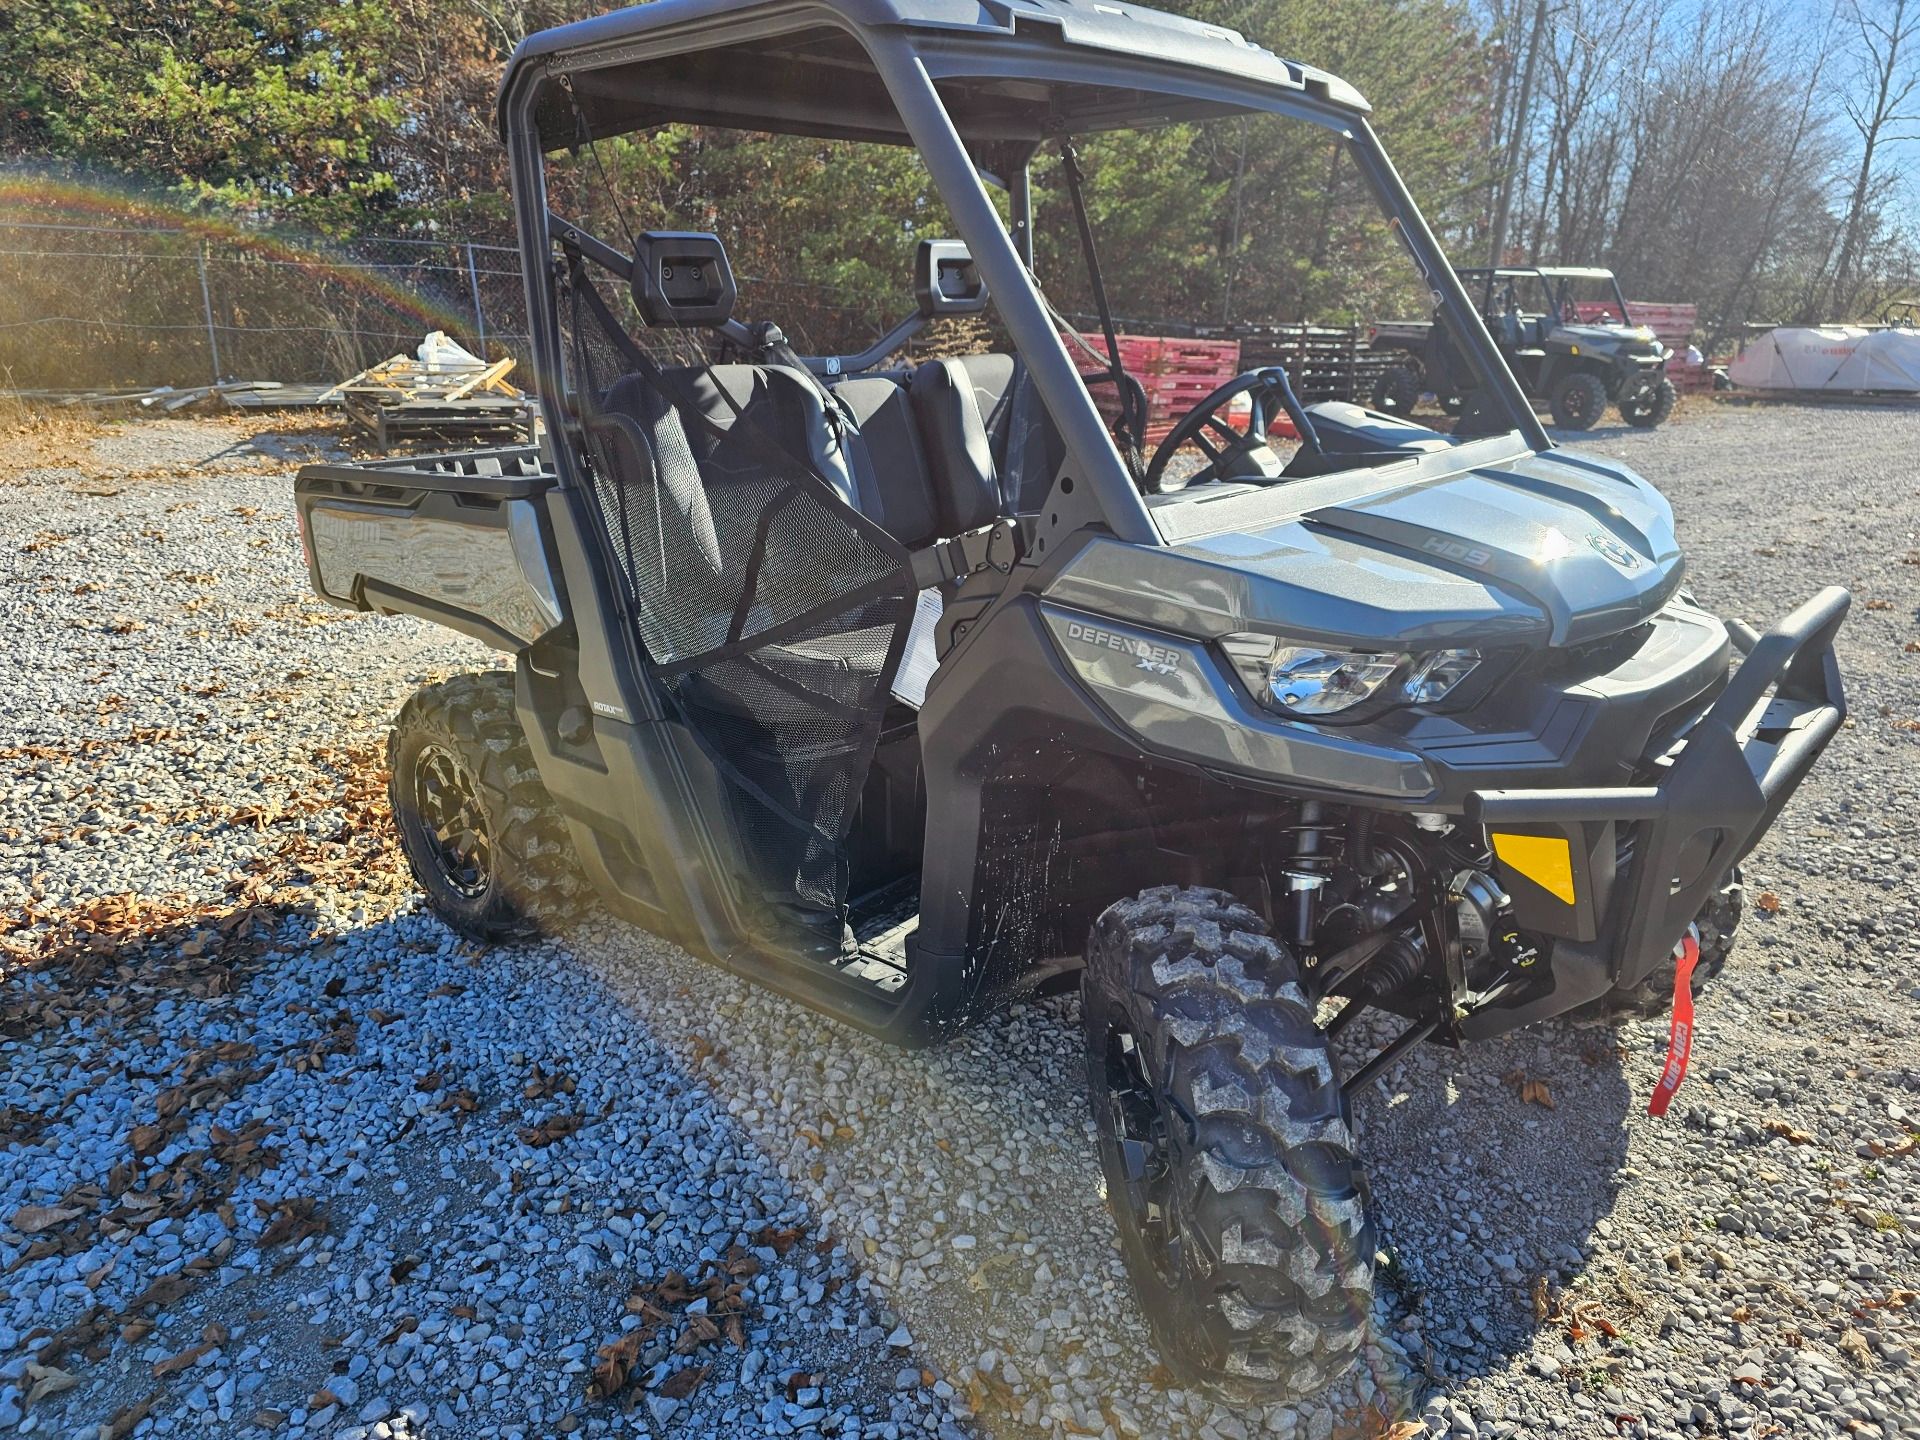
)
(1737, 767)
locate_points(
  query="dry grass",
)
(38, 436)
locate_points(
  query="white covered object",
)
(1830, 357)
(439, 354)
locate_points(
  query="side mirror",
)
(681, 277)
(946, 281)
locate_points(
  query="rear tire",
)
(1717, 921)
(1649, 405)
(479, 830)
(1579, 400)
(1397, 391)
(1227, 1147)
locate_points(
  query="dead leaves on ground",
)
(293, 1220)
(114, 954)
(778, 1238)
(556, 1127)
(1374, 1421)
(32, 1219)
(1529, 1090)
(21, 1127)
(705, 1310)
(1787, 1132)
(124, 1421)
(46, 1381)
(117, 956)
(1545, 1307)
(211, 1339)
(540, 1085)
(613, 1365)
(682, 1383)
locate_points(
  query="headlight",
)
(1312, 682)
(1436, 675)
(1307, 680)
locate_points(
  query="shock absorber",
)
(1360, 854)
(1306, 869)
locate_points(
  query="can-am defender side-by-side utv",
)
(903, 691)
(1577, 364)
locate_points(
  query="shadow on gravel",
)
(295, 447)
(967, 1176)
(1492, 1168)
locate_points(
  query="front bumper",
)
(1639, 862)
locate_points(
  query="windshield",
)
(1567, 299)
(1182, 267)
(1226, 247)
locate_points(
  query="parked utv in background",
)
(905, 690)
(1578, 366)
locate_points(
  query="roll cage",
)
(976, 89)
(1556, 284)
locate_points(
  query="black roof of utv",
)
(1007, 70)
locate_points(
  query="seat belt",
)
(945, 562)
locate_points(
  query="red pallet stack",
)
(1673, 324)
(1176, 374)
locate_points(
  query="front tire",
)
(1649, 404)
(1579, 400)
(1397, 391)
(479, 830)
(1227, 1147)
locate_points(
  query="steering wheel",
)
(1234, 454)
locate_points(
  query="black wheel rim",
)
(1577, 405)
(1136, 1125)
(454, 825)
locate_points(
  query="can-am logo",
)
(1619, 554)
(1159, 659)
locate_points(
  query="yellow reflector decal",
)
(1547, 860)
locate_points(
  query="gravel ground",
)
(280, 1155)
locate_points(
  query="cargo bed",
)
(458, 539)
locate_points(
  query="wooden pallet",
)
(402, 395)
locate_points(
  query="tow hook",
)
(1680, 1038)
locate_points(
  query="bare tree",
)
(1884, 39)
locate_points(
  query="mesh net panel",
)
(775, 614)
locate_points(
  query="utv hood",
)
(1608, 338)
(1545, 549)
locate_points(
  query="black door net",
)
(774, 614)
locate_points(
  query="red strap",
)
(1680, 1040)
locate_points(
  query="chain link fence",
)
(97, 307)
(86, 307)
(105, 307)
